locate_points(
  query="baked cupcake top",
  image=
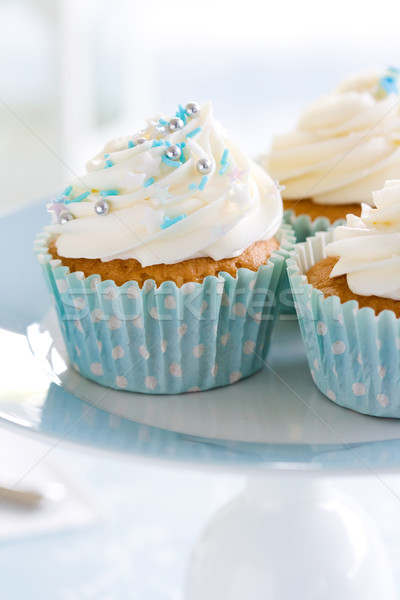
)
(346, 144)
(179, 189)
(368, 247)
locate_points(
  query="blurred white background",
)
(74, 73)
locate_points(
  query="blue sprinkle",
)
(194, 132)
(108, 164)
(167, 222)
(109, 193)
(395, 70)
(169, 162)
(224, 156)
(78, 198)
(192, 186)
(181, 114)
(167, 143)
(183, 157)
(388, 84)
(223, 168)
(67, 190)
(163, 122)
(130, 144)
(157, 143)
(106, 155)
(203, 182)
(149, 181)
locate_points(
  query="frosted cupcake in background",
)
(166, 257)
(345, 145)
(346, 285)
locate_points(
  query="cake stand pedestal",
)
(290, 536)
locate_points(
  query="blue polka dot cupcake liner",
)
(166, 339)
(353, 354)
(303, 228)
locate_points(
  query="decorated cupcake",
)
(346, 285)
(165, 258)
(346, 145)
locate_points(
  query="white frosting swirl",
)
(346, 144)
(219, 214)
(368, 247)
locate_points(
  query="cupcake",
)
(165, 259)
(346, 145)
(346, 286)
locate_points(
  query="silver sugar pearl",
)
(65, 218)
(204, 166)
(173, 152)
(192, 109)
(101, 207)
(175, 124)
(140, 140)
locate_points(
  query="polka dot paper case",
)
(166, 258)
(346, 287)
